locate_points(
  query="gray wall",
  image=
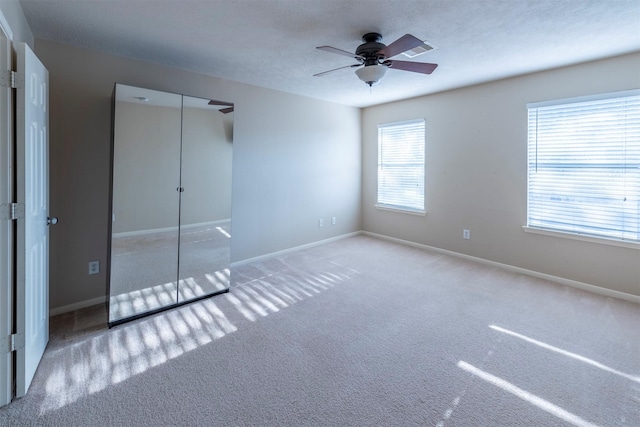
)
(207, 159)
(146, 169)
(476, 174)
(295, 160)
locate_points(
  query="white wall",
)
(295, 160)
(477, 174)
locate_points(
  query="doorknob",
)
(52, 221)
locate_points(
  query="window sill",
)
(582, 237)
(400, 210)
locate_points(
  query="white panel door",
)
(32, 167)
(6, 226)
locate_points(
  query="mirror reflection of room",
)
(171, 203)
(205, 205)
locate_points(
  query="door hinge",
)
(12, 211)
(11, 79)
(11, 343)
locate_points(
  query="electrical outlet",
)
(333, 220)
(321, 222)
(466, 234)
(94, 267)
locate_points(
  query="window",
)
(401, 166)
(584, 166)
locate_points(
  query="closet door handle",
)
(180, 189)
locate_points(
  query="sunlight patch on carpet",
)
(526, 396)
(272, 292)
(566, 353)
(138, 301)
(92, 365)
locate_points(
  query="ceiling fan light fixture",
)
(371, 74)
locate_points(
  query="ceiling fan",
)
(228, 105)
(374, 57)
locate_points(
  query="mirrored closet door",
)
(171, 201)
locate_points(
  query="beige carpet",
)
(359, 332)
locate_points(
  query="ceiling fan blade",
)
(336, 69)
(416, 67)
(226, 104)
(226, 110)
(403, 44)
(340, 52)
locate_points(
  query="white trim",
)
(586, 98)
(400, 210)
(5, 26)
(77, 306)
(568, 282)
(167, 229)
(204, 224)
(6, 232)
(143, 232)
(582, 237)
(293, 249)
(404, 122)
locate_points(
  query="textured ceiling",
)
(271, 43)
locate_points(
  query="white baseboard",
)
(294, 249)
(561, 280)
(168, 229)
(100, 300)
(77, 306)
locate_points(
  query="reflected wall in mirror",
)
(171, 201)
(205, 205)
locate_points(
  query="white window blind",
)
(584, 166)
(401, 165)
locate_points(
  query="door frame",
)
(6, 226)
(14, 356)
